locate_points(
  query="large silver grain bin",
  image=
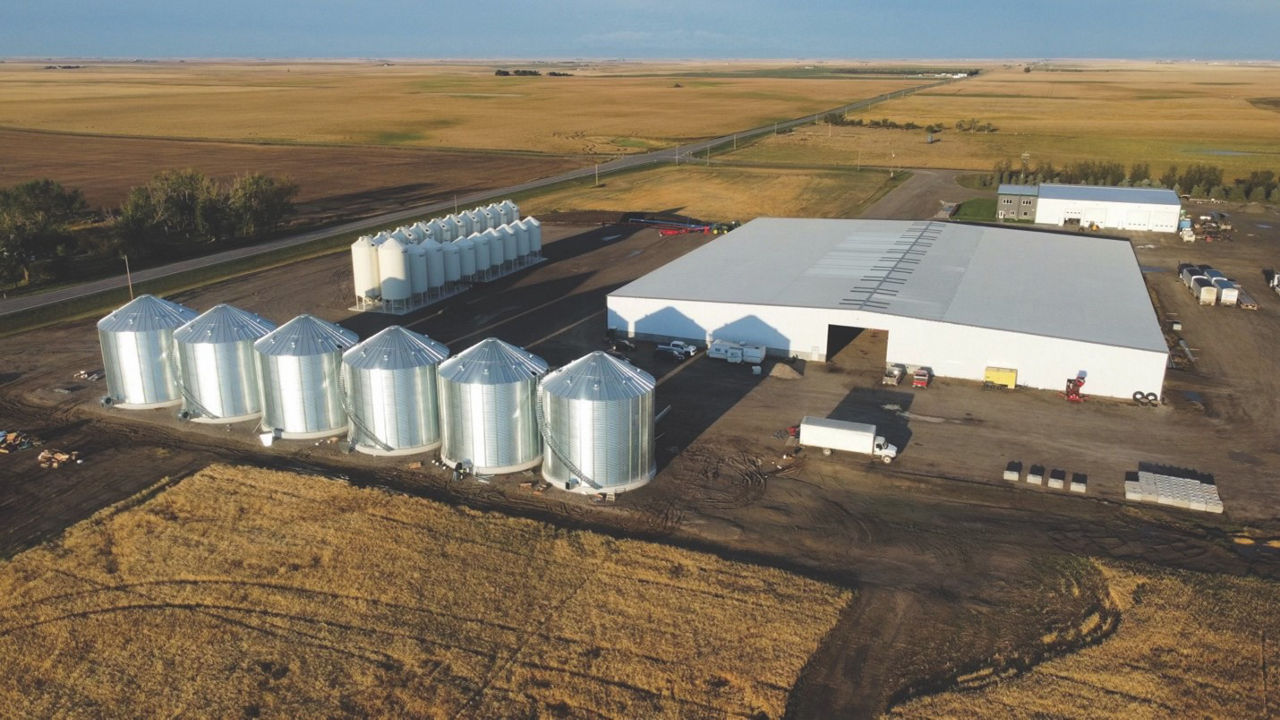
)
(299, 364)
(217, 370)
(596, 415)
(137, 352)
(390, 386)
(487, 408)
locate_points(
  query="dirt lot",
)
(333, 182)
(374, 604)
(955, 570)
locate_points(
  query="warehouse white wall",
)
(1120, 216)
(949, 350)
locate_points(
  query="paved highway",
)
(27, 302)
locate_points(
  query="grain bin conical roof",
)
(224, 324)
(492, 362)
(598, 377)
(147, 312)
(306, 335)
(395, 348)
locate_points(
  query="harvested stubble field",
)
(1189, 645)
(600, 110)
(724, 193)
(1161, 114)
(242, 592)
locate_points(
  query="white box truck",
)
(829, 435)
(733, 352)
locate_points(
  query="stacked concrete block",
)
(1057, 479)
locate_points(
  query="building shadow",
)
(885, 408)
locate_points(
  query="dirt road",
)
(922, 196)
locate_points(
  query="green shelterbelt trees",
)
(184, 207)
(36, 218)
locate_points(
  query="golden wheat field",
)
(1161, 114)
(241, 592)
(723, 193)
(619, 110)
(1189, 645)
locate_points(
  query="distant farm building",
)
(1118, 208)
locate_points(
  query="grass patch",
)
(245, 592)
(976, 210)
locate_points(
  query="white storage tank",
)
(510, 211)
(464, 223)
(390, 385)
(452, 263)
(421, 230)
(403, 235)
(535, 235)
(481, 245)
(435, 265)
(1228, 292)
(138, 359)
(479, 220)
(393, 268)
(299, 365)
(364, 268)
(418, 284)
(497, 249)
(487, 408)
(522, 241)
(510, 246)
(437, 228)
(217, 370)
(596, 416)
(492, 216)
(466, 257)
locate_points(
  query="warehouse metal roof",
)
(1077, 287)
(1094, 193)
(1008, 189)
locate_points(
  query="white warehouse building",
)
(1147, 209)
(957, 299)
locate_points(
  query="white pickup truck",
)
(678, 349)
(829, 435)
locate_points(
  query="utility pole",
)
(128, 276)
(735, 141)
(597, 174)
(455, 204)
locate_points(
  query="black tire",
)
(1153, 399)
(1139, 397)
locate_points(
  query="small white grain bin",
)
(393, 268)
(452, 263)
(596, 416)
(390, 385)
(510, 211)
(364, 270)
(535, 235)
(510, 246)
(481, 244)
(492, 215)
(497, 250)
(299, 366)
(418, 284)
(420, 230)
(488, 416)
(466, 257)
(435, 267)
(138, 358)
(217, 368)
(437, 228)
(523, 254)
(479, 220)
(465, 225)
(403, 234)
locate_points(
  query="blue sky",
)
(1228, 29)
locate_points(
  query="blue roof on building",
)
(1094, 193)
(1006, 189)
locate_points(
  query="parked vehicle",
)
(622, 345)
(830, 435)
(893, 375)
(678, 349)
(733, 352)
(921, 378)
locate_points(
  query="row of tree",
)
(1196, 180)
(42, 221)
(972, 125)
